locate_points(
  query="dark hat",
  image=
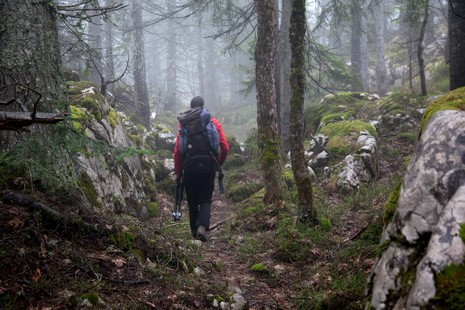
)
(197, 102)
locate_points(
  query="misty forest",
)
(343, 187)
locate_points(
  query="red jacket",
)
(224, 148)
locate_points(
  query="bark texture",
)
(297, 81)
(378, 14)
(283, 64)
(268, 137)
(358, 43)
(421, 60)
(140, 76)
(29, 60)
(457, 43)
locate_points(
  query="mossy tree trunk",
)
(457, 43)
(29, 60)
(307, 212)
(268, 136)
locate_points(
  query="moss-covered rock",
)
(343, 136)
(454, 100)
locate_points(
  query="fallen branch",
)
(214, 226)
(358, 233)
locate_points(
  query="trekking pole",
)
(220, 180)
(178, 192)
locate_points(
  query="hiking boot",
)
(202, 234)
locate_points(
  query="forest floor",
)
(119, 262)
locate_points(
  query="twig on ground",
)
(214, 226)
(358, 233)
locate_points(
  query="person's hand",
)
(178, 178)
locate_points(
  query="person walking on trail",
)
(200, 149)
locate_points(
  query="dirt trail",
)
(223, 251)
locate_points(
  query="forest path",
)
(225, 253)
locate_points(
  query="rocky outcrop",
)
(425, 239)
(113, 171)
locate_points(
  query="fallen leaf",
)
(16, 222)
(37, 275)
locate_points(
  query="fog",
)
(171, 51)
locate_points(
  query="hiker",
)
(197, 158)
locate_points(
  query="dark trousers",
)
(199, 190)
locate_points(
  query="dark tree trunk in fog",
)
(95, 52)
(140, 76)
(109, 59)
(200, 63)
(359, 53)
(171, 74)
(378, 16)
(421, 61)
(283, 67)
(29, 56)
(307, 212)
(211, 75)
(457, 43)
(268, 136)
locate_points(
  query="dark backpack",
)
(198, 141)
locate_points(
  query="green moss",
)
(259, 267)
(87, 187)
(124, 239)
(91, 297)
(336, 117)
(408, 136)
(454, 100)
(382, 247)
(344, 134)
(289, 178)
(325, 223)
(75, 88)
(240, 191)
(270, 153)
(294, 241)
(92, 105)
(137, 140)
(112, 117)
(462, 232)
(390, 206)
(79, 118)
(153, 208)
(450, 288)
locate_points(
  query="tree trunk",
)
(358, 46)
(200, 63)
(457, 43)
(268, 137)
(283, 63)
(110, 62)
(171, 74)
(29, 57)
(211, 76)
(95, 44)
(378, 14)
(307, 212)
(421, 61)
(140, 76)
